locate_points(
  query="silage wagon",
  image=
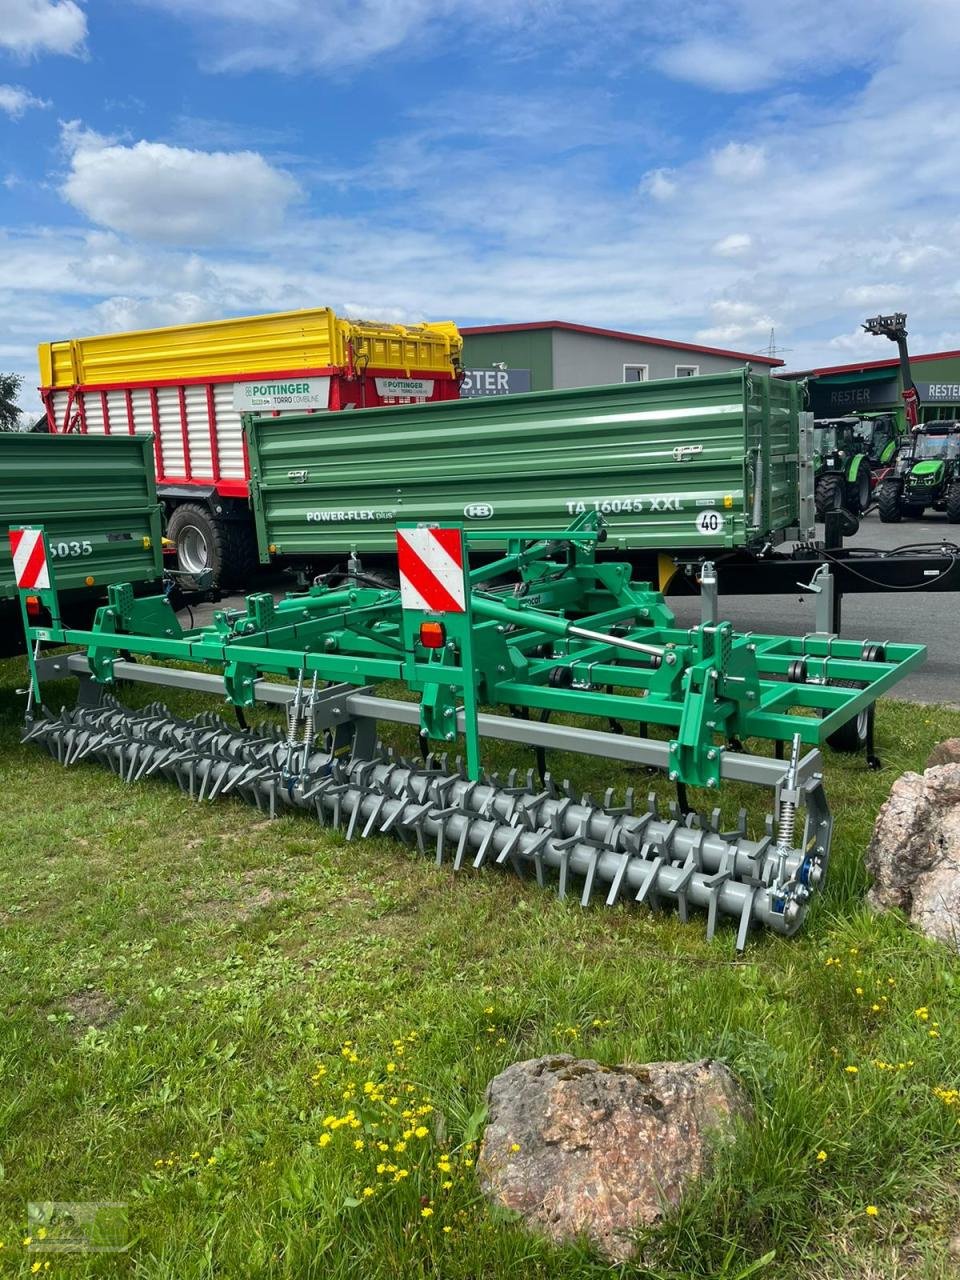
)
(189, 384)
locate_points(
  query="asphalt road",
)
(910, 616)
(929, 617)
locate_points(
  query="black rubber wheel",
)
(828, 494)
(203, 541)
(888, 503)
(859, 498)
(953, 503)
(852, 736)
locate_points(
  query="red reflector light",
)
(33, 606)
(433, 635)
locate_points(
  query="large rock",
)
(914, 855)
(580, 1149)
(946, 752)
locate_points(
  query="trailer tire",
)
(828, 494)
(226, 547)
(852, 736)
(888, 503)
(953, 503)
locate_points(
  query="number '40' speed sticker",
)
(709, 522)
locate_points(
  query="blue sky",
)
(688, 168)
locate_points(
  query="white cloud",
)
(42, 26)
(173, 194)
(739, 160)
(734, 245)
(15, 100)
(660, 184)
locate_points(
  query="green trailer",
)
(96, 499)
(710, 463)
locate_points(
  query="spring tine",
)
(681, 889)
(746, 914)
(507, 851)
(714, 884)
(461, 845)
(374, 816)
(648, 888)
(617, 881)
(588, 882)
(484, 846)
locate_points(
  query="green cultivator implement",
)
(541, 635)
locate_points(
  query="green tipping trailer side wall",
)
(95, 496)
(707, 462)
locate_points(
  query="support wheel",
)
(828, 494)
(888, 503)
(205, 542)
(852, 736)
(953, 503)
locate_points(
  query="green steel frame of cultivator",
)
(546, 629)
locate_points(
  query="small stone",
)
(578, 1149)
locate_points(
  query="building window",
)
(635, 372)
(687, 370)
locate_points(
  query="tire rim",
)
(862, 726)
(192, 549)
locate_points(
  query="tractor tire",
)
(828, 494)
(888, 503)
(953, 503)
(859, 498)
(203, 541)
(852, 736)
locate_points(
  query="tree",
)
(10, 385)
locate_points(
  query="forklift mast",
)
(895, 328)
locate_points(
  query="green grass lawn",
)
(273, 1046)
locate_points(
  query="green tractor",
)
(842, 466)
(925, 474)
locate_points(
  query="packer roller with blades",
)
(510, 648)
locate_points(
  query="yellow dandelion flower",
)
(368, 1192)
(871, 1210)
(358, 1145)
(391, 1068)
(859, 990)
(875, 1008)
(933, 1033)
(514, 1146)
(851, 1071)
(324, 1139)
(468, 1164)
(821, 1156)
(27, 1241)
(400, 1146)
(447, 1230)
(426, 1212)
(923, 1013)
(394, 1101)
(194, 1155)
(446, 1185)
(421, 1131)
(35, 1268)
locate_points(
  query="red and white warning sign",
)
(29, 559)
(431, 570)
